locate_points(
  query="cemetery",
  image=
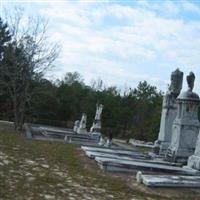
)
(91, 106)
(173, 160)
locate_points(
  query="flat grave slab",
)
(42, 138)
(171, 181)
(78, 142)
(93, 154)
(55, 130)
(112, 164)
(115, 151)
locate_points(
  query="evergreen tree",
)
(5, 37)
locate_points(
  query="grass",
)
(65, 175)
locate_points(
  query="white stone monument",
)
(186, 125)
(82, 126)
(76, 126)
(101, 141)
(96, 126)
(194, 160)
(169, 112)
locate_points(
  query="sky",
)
(121, 42)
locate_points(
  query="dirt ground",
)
(34, 170)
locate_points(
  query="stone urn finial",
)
(190, 81)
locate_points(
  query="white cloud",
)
(190, 7)
(124, 44)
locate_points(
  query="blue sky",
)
(122, 42)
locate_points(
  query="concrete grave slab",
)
(115, 151)
(171, 181)
(93, 154)
(111, 164)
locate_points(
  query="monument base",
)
(82, 131)
(194, 162)
(160, 147)
(163, 148)
(180, 156)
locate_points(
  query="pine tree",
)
(5, 36)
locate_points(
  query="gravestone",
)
(96, 126)
(169, 112)
(186, 125)
(82, 126)
(76, 126)
(101, 141)
(194, 160)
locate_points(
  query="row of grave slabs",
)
(116, 159)
(159, 173)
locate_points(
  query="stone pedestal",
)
(194, 160)
(169, 112)
(185, 127)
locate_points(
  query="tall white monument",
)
(82, 125)
(169, 112)
(96, 126)
(76, 126)
(186, 125)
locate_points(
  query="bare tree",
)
(29, 53)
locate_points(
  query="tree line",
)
(27, 96)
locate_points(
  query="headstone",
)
(186, 125)
(96, 126)
(194, 160)
(169, 112)
(101, 141)
(82, 126)
(76, 126)
(108, 143)
(28, 131)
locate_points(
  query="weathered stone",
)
(101, 141)
(194, 160)
(169, 112)
(115, 151)
(138, 143)
(111, 164)
(82, 126)
(76, 125)
(186, 125)
(96, 126)
(27, 131)
(171, 181)
(138, 158)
